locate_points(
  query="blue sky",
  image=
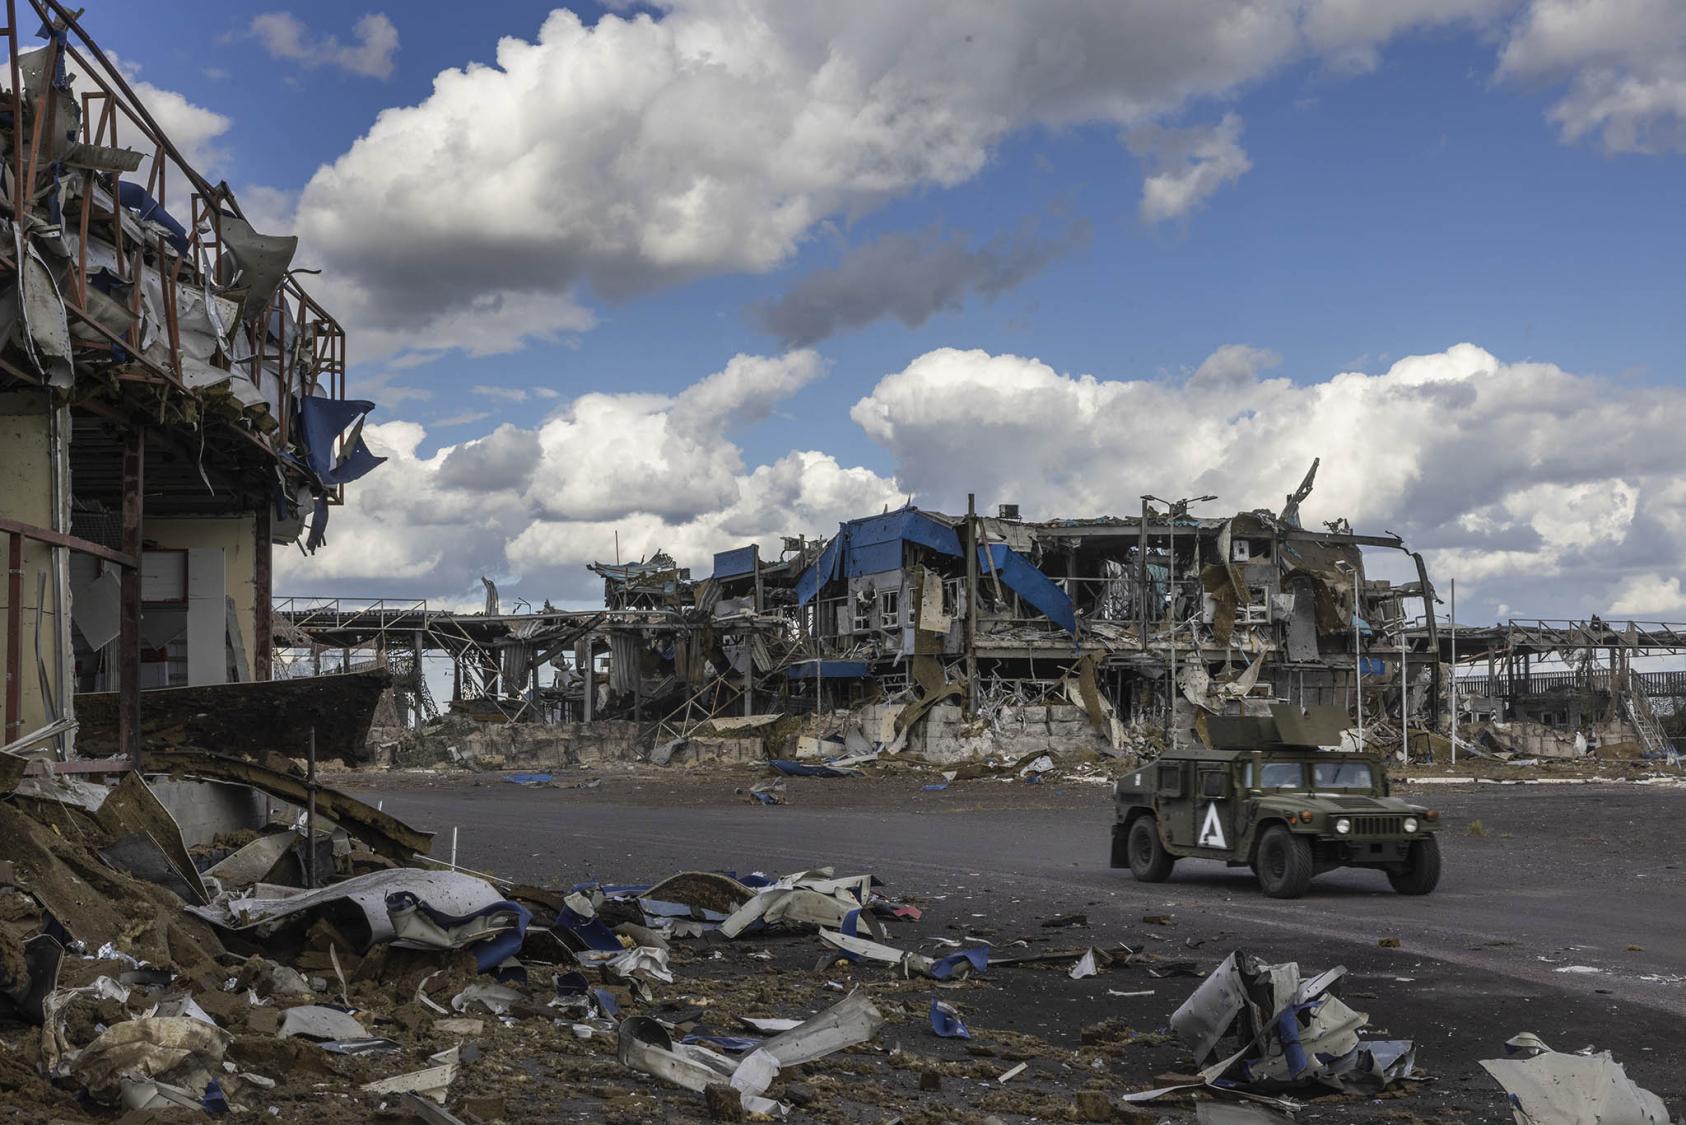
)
(1406, 182)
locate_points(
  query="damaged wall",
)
(236, 538)
(947, 735)
(26, 495)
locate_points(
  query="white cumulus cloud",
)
(1490, 467)
(533, 505)
(374, 42)
(1623, 61)
(1187, 166)
(712, 136)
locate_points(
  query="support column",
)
(971, 601)
(263, 624)
(129, 638)
(14, 637)
(588, 698)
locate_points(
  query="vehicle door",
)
(1215, 804)
(1172, 783)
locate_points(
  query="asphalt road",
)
(1562, 912)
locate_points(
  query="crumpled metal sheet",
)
(260, 262)
(1548, 1087)
(645, 1046)
(449, 892)
(494, 930)
(1283, 1033)
(1206, 1016)
(317, 1021)
(813, 897)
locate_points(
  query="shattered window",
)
(863, 611)
(1281, 775)
(890, 608)
(1341, 775)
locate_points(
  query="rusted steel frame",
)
(383, 833)
(14, 636)
(70, 542)
(90, 134)
(26, 189)
(129, 639)
(53, 9)
(167, 286)
(16, 104)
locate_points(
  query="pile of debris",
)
(330, 970)
(257, 972)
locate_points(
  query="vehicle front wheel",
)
(1421, 872)
(1284, 863)
(1149, 861)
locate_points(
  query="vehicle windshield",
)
(1281, 775)
(1342, 775)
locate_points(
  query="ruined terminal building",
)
(172, 405)
(1089, 619)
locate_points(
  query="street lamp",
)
(1357, 652)
(1174, 510)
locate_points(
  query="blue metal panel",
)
(873, 558)
(922, 529)
(1017, 573)
(825, 568)
(828, 669)
(730, 564)
(873, 545)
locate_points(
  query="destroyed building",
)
(940, 633)
(172, 404)
(1100, 616)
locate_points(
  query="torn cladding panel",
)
(403, 906)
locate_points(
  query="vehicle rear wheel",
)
(1149, 861)
(1284, 864)
(1421, 872)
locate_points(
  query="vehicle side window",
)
(1341, 775)
(1214, 784)
(1281, 775)
(1247, 776)
(1170, 780)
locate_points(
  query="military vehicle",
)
(1266, 793)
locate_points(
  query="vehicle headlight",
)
(1343, 826)
(1410, 824)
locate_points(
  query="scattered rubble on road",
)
(412, 991)
(1548, 1087)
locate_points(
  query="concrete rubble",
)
(398, 986)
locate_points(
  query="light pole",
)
(1454, 613)
(1404, 691)
(1357, 654)
(1174, 510)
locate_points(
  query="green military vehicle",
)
(1266, 794)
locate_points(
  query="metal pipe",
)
(971, 600)
(1141, 577)
(1357, 662)
(1404, 690)
(310, 814)
(1454, 611)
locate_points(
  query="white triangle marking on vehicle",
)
(1212, 830)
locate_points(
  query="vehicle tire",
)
(1149, 861)
(1284, 864)
(1421, 872)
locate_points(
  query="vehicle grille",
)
(1378, 826)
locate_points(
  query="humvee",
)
(1266, 794)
